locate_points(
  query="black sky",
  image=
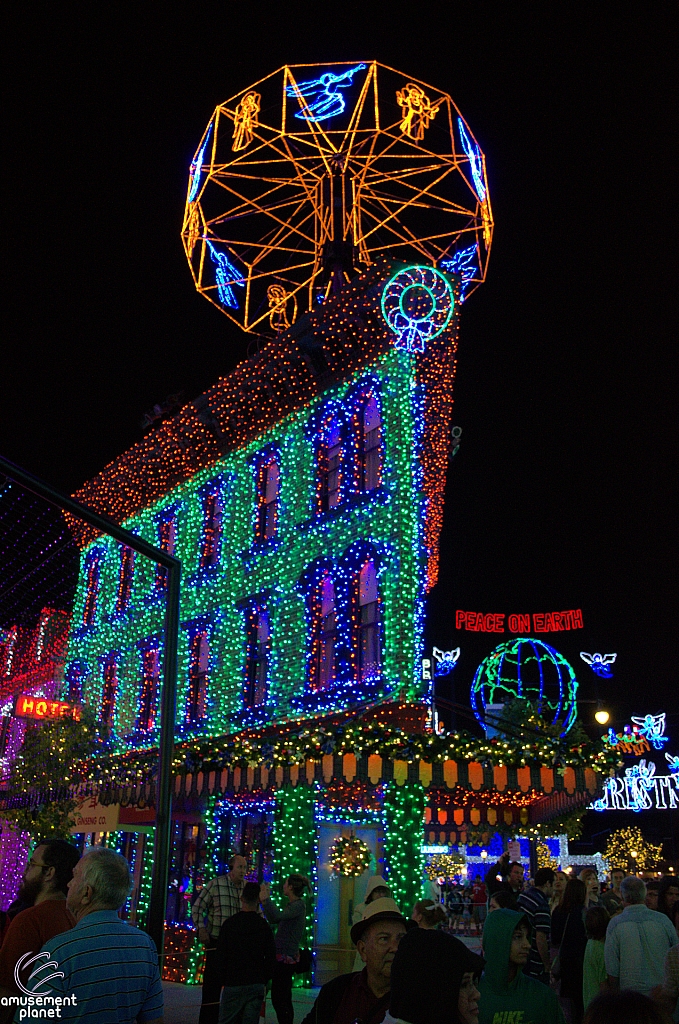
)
(563, 492)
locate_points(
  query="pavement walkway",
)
(182, 1004)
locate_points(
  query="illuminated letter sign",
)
(640, 789)
(42, 710)
(543, 622)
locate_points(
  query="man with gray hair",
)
(106, 969)
(637, 941)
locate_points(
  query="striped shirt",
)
(110, 967)
(536, 909)
(218, 901)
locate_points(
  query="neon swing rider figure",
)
(326, 101)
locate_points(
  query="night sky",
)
(561, 495)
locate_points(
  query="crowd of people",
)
(554, 950)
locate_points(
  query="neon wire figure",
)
(653, 728)
(599, 663)
(324, 99)
(197, 167)
(464, 264)
(417, 110)
(226, 275)
(445, 661)
(475, 161)
(245, 120)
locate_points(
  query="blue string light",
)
(324, 100)
(417, 304)
(475, 160)
(464, 264)
(197, 166)
(226, 275)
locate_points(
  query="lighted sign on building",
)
(641, 787)
(41, 709)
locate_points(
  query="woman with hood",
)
(506, 992)
(434, 980)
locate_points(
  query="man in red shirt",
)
(364, 995)
(45, 883)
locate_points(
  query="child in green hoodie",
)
(508, 996)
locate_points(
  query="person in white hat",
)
(375, 890)
(364, 995)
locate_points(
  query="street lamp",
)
(602, 716)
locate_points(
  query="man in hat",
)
(364, 995)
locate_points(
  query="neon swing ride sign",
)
(640, 788)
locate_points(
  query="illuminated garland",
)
(349, 856)
(403, 839)
(313, 741)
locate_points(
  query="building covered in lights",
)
(303, 494)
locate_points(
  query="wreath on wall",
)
(349, 856)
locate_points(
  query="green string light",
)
(403, 840)
(294, 841)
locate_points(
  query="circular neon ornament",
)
(417, 304)
(530, 668)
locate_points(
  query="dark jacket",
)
(246, 950)
(328, 1001)
(568, 933)
(492, 884)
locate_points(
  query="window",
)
(199, 654)
(150, 678)
(368, 623)
(268, 485)
(212, 529)
(167, 539)
(77, 671)
(371, 446)
(324, 636)
(92, 577)
(257, 658)
(330, 466)
(125, 577)
(109, 692)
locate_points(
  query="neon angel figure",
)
(463, 263)
(196, 168)
(475, 161)
(653, 728)
(323, 98)
(226, 275)
(599, 663)
(445, 661)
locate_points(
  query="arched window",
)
(211, 545)
(368, 623)
(324, 636)
(199, 656)
(371, 446)
(150, 679)
(167, 541)
(268, 485)
(330, 467)
(125, 578)
(92, 581)
(257, 656)
(76, 673)
(109, 692)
